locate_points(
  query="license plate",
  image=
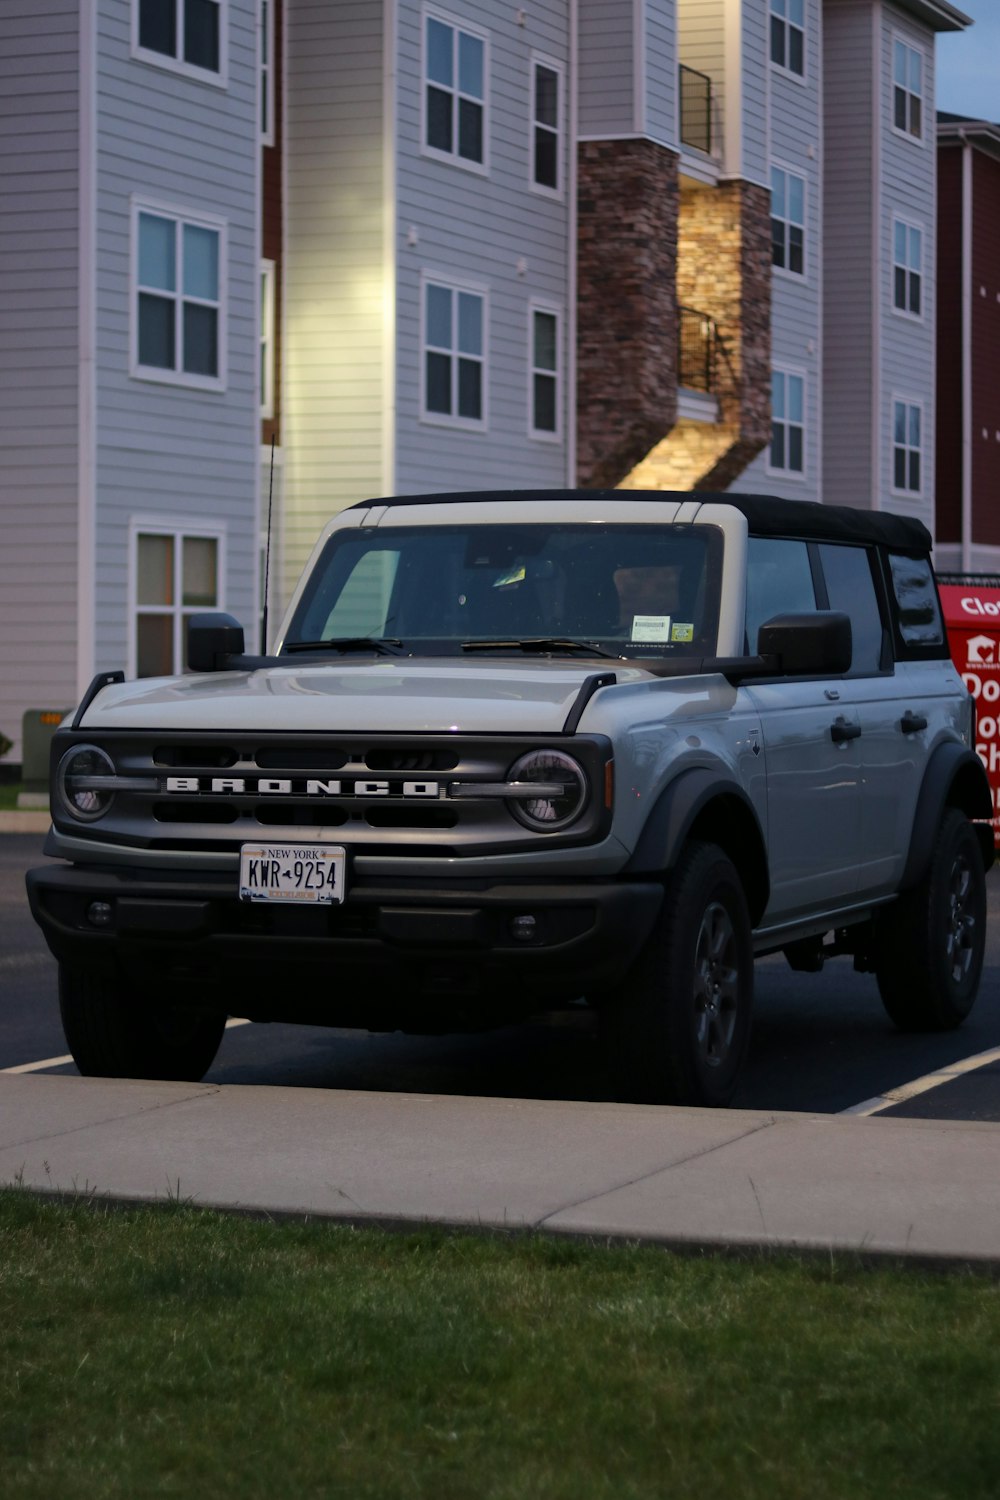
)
(299, 873)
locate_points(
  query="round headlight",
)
(562, 790)
(79, 781)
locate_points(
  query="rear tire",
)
(678, 1028)
(115, 1034)
(932, 940)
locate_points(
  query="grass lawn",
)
(178, 1352)
(8, 795)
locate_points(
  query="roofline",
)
(939, 15)
(981, 133)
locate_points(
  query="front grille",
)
(379, 794)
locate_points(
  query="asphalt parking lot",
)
(822, 1042)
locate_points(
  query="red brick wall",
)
(986, 349)
(948, 402)
(626, 305)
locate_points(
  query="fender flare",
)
(729, 818)
(955, 777)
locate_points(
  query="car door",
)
(811, 734)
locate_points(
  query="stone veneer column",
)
(627, 200)
(724, 270)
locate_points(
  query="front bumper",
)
(374, 961)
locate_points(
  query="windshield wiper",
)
(384, 646)
(541, 643)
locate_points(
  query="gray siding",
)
(908, 178)
(849, 342)
(754, 53)
(491, 230)
(606, 32)
(335, 277)
(796, 137)
(164, 451)
(660, 71)
(39, 356)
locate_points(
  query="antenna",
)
(267, 557)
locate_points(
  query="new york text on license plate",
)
(292, 872)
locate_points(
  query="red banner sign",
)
(972, 616)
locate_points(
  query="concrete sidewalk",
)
(682, 1177)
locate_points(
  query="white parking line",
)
(923, 1085)
(60, 1062)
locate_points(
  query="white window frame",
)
(553, 310)
(898, 39)
(549, 63)
(797, 476)
(909, 225)
(267, 349)
(455, 284)
(432, 12)
(911, 403)
(794, 276)
(266, 59)
(783, 68)
(176, 527)
(177, 376)
(175, 63)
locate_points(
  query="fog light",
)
(99, 913)
(523, 929)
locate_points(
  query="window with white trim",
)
(266, 72)
(454, 354)
(546, 104)
(267, 338)
(183, 34)
(788, 221)
(907, 447)
(787, 423)
(176, 573)
(178, 298)
(455, 75)
(907, 89)
(546, 373)
(788, 36)
(907, 267)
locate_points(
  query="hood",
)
(386, 696)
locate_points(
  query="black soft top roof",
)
(766, 514)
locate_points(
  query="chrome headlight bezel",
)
(96, 802)
(549, 814)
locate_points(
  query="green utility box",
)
(37, 728)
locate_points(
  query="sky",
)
(968, 63)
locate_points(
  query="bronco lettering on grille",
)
(282, 786)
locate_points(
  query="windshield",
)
(635, 591)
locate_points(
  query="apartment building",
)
(968, 337)
(283, 254)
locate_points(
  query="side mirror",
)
(212, 638)
(808, 645)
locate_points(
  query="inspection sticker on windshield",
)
(651, 627)
(682, 632)
(293, 872)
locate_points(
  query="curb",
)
(24, 822)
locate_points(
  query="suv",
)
(515, 749)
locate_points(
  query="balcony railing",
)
(696, 109)
(698, 347)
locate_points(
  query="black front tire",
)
(114, 1034)
(678, 1029)
(932, 940)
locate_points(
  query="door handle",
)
(910, 723)
(842, 729)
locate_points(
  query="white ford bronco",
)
(512, 750)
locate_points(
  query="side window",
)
(851, 588)
(779, 582)
(917, 607)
